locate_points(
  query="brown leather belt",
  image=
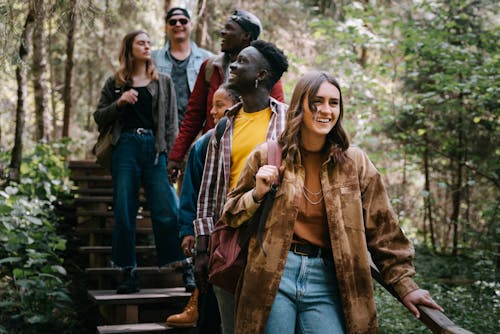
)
(310, 250)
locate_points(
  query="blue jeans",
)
(225, 300)
(134, 162)
(308, 299)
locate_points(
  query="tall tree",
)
(42, 117)
(21, 77)
(450, 111)
(68, 78)
(52, 71)
(201, 34)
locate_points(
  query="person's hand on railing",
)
(419, 297)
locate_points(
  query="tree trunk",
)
(402, 206)
(68, 77)
(201, 25)
(427, 199)
(363, 56)
(24, 48)
(52, 72)
(322, 6)
(457, 189)
(466, 219)
(90, 95)
(42, 118)
(166, 6)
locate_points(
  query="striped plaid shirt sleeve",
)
(204, 222)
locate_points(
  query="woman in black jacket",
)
(139, 103)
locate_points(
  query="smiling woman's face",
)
(318, 123)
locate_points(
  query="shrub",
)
(33, 286)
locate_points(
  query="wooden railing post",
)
(434, 319)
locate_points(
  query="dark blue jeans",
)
(133, 163)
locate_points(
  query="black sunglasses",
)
(173, 22)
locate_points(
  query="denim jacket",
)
(163, 61)
(191, 185)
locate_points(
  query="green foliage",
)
(465, 287)
(44, 174)
(33, 287)
(449, 113)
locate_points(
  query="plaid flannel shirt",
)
(215, 182)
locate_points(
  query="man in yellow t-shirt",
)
(249, 131)
(258, 118)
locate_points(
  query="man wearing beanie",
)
(180, 58)
(241, 28)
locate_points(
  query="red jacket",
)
(197, 115)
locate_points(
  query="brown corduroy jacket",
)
(360, 221)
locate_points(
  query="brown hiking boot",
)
(188, 317)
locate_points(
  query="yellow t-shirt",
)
(250, 130)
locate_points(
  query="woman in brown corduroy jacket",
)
(331, 212)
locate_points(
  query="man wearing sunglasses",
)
(180, 58)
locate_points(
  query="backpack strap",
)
(274, 157)
(220, 128)
(258, 222)
(219, 131)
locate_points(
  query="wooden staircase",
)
(162, 290)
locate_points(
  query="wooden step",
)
(107, 249)
(94, 199)
(94, 178)
(101, 200)
(94, 213)
(109, 230)
(100, 256)
(157, 327)
(107, 213)
(93, 191)
(98, 191)
(104, 278)
(145, 296)
(84, 164)
(153, 308)
(140, 270)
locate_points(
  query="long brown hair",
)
(124, 74)
(306, 89)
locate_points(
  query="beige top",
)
(311, 225)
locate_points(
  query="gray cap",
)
(248, 21)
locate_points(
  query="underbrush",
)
(465, 286)
(34, 295)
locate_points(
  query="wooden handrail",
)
(434, 319)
